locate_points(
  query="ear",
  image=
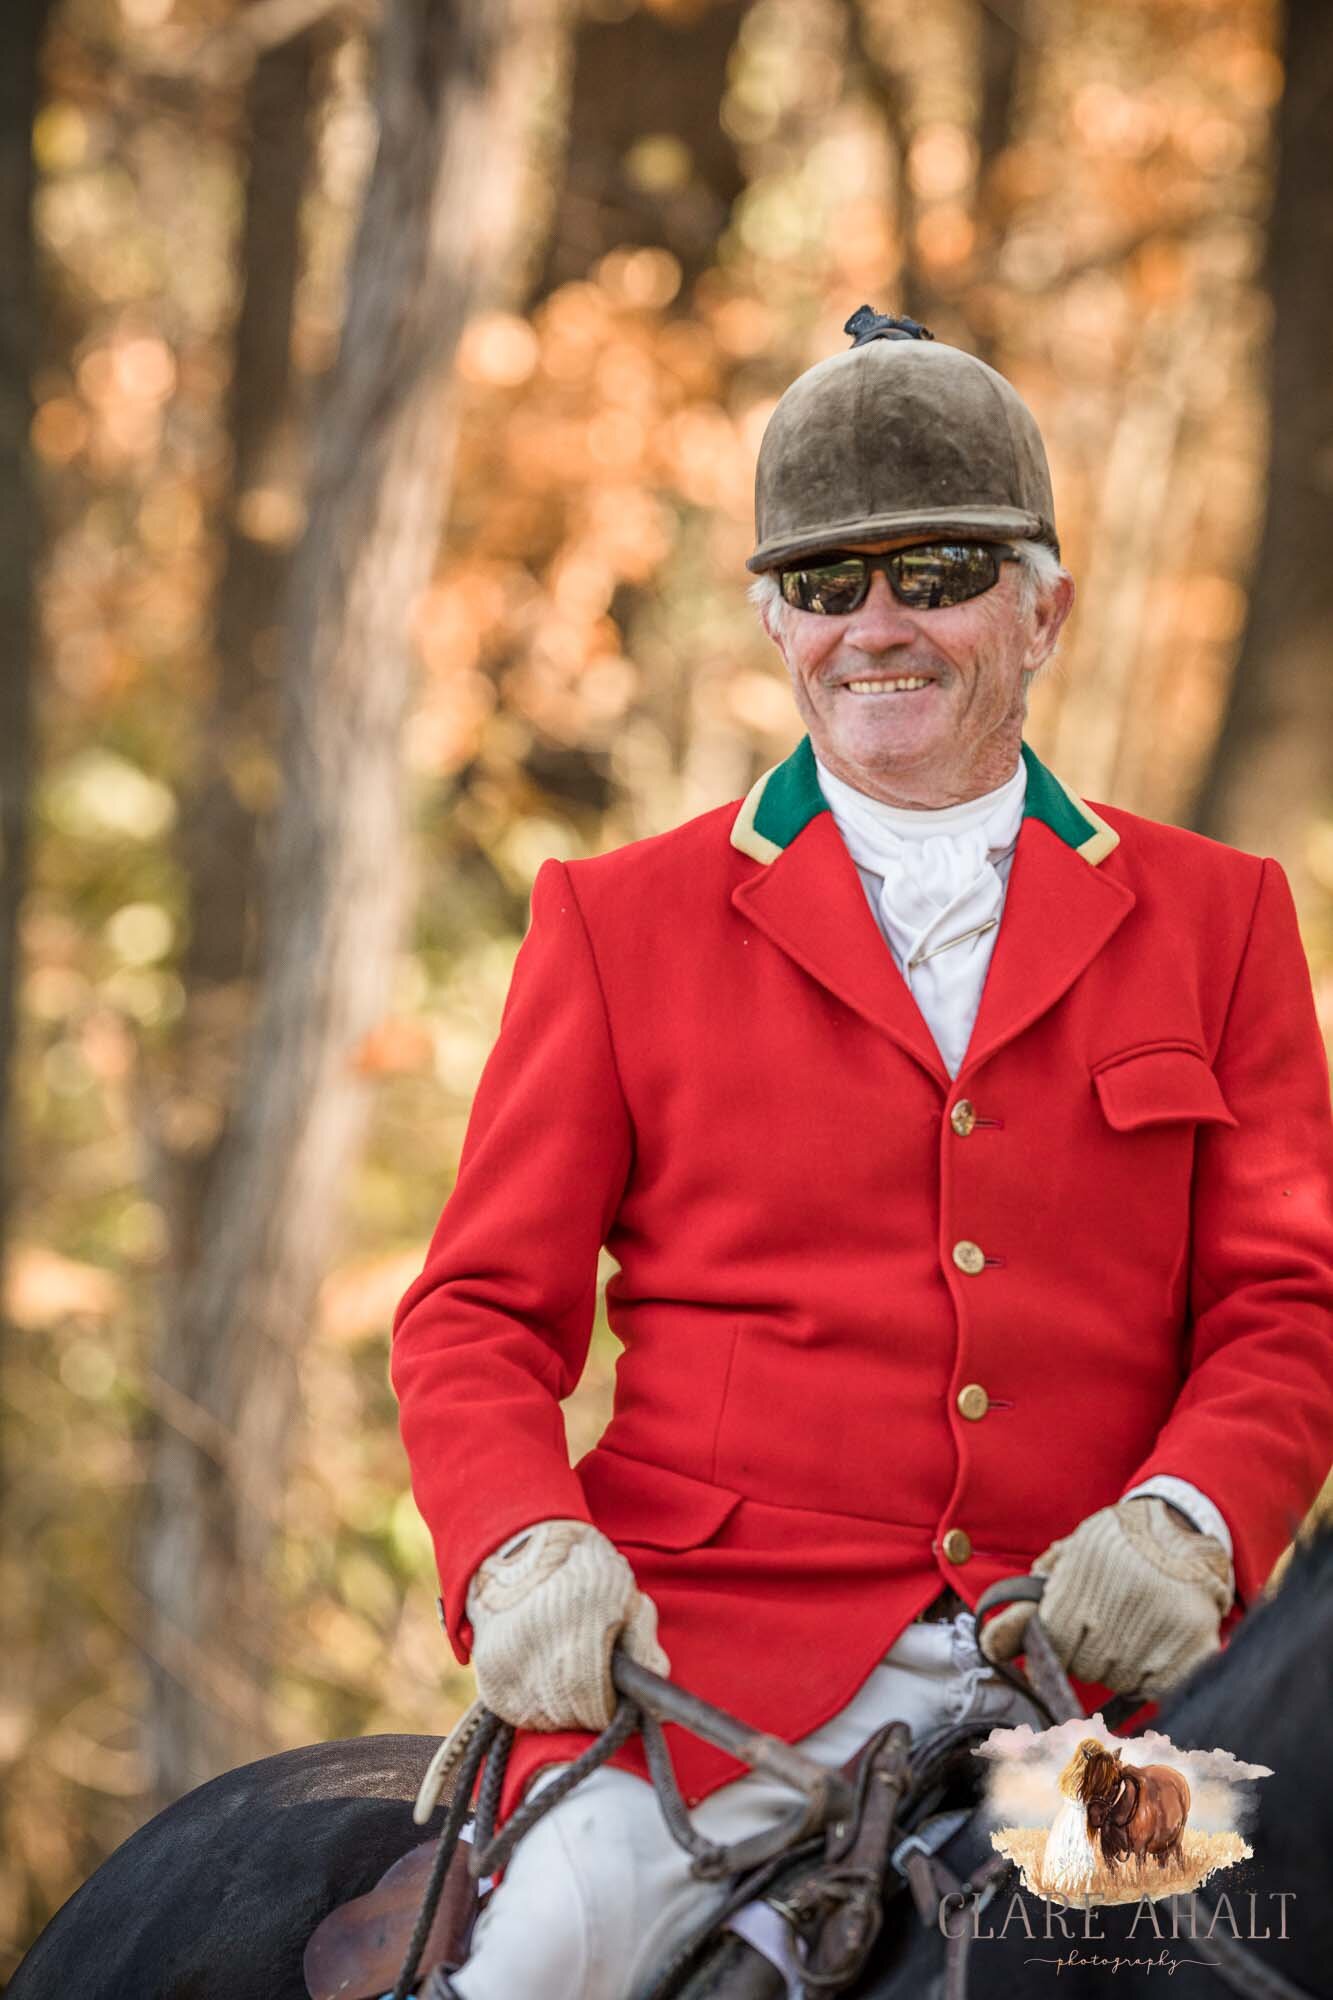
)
(1049, 613)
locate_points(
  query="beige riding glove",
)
(1133, 1601)
(545, 1619)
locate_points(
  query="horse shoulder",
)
(1167, 1778)
(1129, 1797)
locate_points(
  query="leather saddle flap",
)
(358, 1950)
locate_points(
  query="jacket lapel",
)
(806, 896)
(1058, 914)
(810, 903)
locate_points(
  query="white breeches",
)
(597, 1893)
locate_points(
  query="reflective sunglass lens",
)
(832, 588)
(942, 574)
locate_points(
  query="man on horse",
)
(964, 1150)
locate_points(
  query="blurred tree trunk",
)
(992, 45)
(218, 827)
(435, 217)
(648, 161)
(1002, 33)
(217, 838)
(19, 93)
(1005, 52)
(1272, 770)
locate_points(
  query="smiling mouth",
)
(896, 684)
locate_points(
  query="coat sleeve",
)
(495, 1331)
(1253, 1425)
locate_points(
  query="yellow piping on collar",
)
(744, 833)
(1099, 844)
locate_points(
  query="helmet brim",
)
(976, 523)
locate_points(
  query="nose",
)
(881, 621)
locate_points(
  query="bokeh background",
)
(380, 383)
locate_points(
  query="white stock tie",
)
(936, 881)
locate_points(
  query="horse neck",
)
(1267, 1702)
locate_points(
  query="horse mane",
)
(1101, 1777)
(1084, 1777)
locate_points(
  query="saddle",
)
(357, 1951)
(831, 1888)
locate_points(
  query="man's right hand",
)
(546, 1617)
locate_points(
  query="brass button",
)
(963, 1117)
(973, 1402)
(956, 1546)
(969, 1257)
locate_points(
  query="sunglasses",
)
(926, 578)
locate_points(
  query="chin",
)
(882, 750)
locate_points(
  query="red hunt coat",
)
(882, 1330)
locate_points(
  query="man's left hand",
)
(1133, 1600)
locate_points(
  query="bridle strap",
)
(931, 1880)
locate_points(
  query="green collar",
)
(788, 797)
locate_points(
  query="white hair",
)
(1039, 570)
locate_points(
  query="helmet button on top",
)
(866, 324)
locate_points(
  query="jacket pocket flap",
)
(633, 1501)
(1160, 1087)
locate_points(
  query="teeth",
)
(874, 687)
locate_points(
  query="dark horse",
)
(215, 1898)
(1134, 1811)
